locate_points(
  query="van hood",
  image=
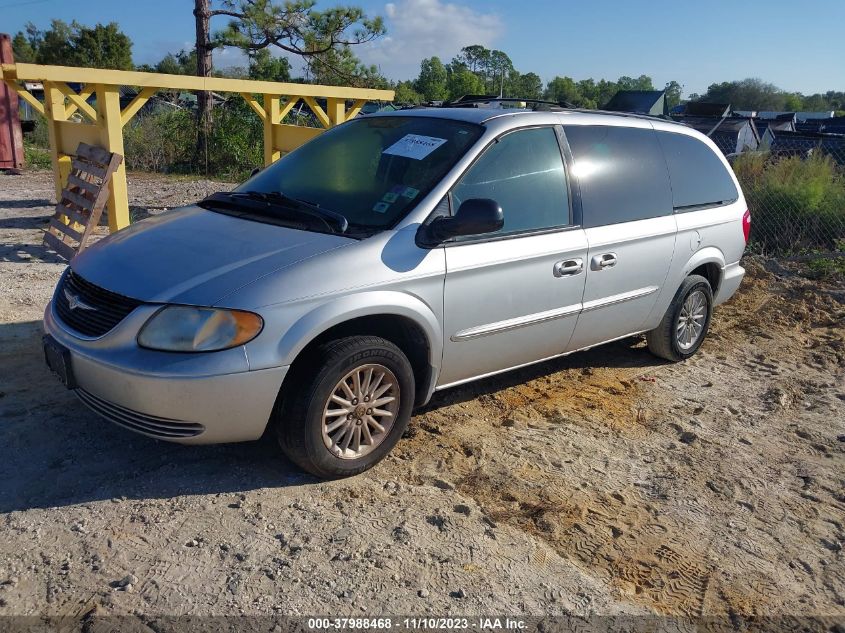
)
(195, 256)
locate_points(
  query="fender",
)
(361, 304)
(707, 255)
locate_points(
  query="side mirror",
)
(476, 216)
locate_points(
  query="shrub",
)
(163, 140)
(39, 136)
(827, 268)
(795, 203)
(236, 142)
(37, 157)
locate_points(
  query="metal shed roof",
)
(651, 102)
(701, 108)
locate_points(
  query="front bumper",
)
(204, 398)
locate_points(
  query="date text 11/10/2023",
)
(418, 623)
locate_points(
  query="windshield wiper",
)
(305, 206)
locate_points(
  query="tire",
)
(300, 423)
(663, 341)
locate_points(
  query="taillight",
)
(746, 225)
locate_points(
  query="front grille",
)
(95, 310)
(163, 428)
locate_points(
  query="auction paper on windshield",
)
(414, 146)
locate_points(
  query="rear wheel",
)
(685, 324)
(347, 406)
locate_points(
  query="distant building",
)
(771, 114)
(732, 135)
(835, 125)
(805, 144)
(702, 108)
(783, 123)
(651, 102)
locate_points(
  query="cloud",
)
(230, 57)
(417, 29)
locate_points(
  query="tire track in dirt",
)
(623, 470)
(607, 482)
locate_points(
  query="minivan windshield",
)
(372, 170)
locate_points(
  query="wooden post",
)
(111, 139)
(273, 116)
(204, 48)
(60, 103)
(54, 111)
(11, 136)
(336, 110)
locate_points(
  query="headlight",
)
(190, 329)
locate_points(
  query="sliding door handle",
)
(568, 267)
(600, 262)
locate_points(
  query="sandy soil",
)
(607, 482)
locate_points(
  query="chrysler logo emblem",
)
(74, 302)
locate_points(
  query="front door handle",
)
(600, 262)
(568, 267)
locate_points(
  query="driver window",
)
(524, 173)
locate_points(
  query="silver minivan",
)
(393, 256)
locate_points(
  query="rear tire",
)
(346, 406)
(685, 324)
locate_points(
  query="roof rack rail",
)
(469, 101)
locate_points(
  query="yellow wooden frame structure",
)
(102, 125)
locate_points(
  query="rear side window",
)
(523, 172)
(697, 176)
(621, 172)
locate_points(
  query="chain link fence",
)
(796, 194)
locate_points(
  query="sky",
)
(794, 45)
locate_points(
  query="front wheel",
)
(347, 406)
(685, 324)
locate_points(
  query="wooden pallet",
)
(83, 200)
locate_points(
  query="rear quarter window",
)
(621, 174)
(697, 175)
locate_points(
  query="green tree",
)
(102, 47)
(527, 86)
(405, 94)
(836, 100)
(431, 83)
(643, 82)
(815, 103)
(591, 93)
(182, 63)
(476, 57)
(492, 67)
(340, 67)
(747, 94)
(23, 49)
(792, 102)
(74, 44)
(263, 66)
(462, 81)
(563, 90)
(498, 71)
(294, 26)
(321, 38)
(673, 93)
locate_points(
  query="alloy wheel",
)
(361, 411)
(691, 320)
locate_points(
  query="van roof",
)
(482, 115)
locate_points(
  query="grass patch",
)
(795, 203)
(37, 157)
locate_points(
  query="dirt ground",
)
(607, 482)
